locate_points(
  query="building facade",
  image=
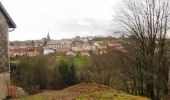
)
(6, 25)
(59, 44)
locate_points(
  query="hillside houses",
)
(24, 50)
(80, 45)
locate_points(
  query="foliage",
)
(31, 73)
(67, 75)
(37, 73)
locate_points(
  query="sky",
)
(61, 18)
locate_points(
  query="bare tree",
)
(145, 64)
(103, 69)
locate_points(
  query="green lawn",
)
(61, 58)
(79, 61)
(109, 96)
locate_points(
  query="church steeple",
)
(48, 37)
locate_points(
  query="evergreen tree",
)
(68, 74)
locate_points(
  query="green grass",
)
(79, 61)
(87, 96)
(109, 96)
(15, 61)
(61, 58)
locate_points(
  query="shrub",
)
(67, 75)
(34, 74)
(31, 73)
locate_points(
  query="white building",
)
(47, 52)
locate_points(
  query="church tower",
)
(48, 37)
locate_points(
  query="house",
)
(33, 53)
(70, 54)
(85, 54)
(6, 25)
(17, 51)
(77, 46)
(88, 46)
(48, 51)
(24, 51)
(76, 49)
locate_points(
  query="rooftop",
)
(8, 18)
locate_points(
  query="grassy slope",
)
(79, 61)
(84, 92)
(109, 96)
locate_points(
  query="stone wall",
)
(4, 60)
(4, 84)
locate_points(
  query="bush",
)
(38, 73)
(64, 76)
(31, 73)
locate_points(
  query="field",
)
(84, 92)
(79, 61)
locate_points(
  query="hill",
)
(84, 92)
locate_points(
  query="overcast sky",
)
(62, 18)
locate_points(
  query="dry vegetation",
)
(84, 92)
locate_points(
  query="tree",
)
(145, 64)
(103, 69)
(31, 73)
(67, 75)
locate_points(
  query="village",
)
(78, 46)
